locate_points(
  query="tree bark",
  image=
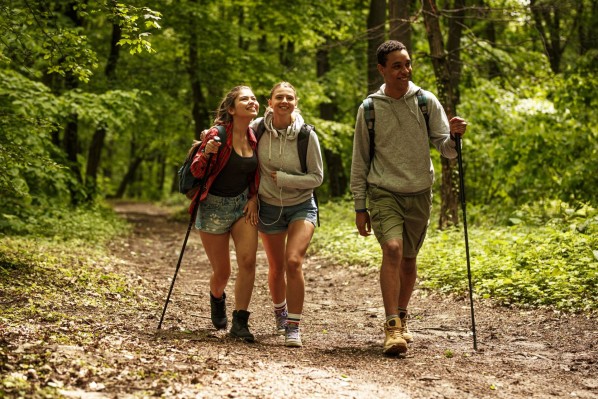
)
(400, 24)
(199, 109)
(376, 32)
(129, 176)
(547, 21)
(489, 33)
(449, 204)
(94, 156)
(588, 30)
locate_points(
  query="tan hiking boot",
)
(394, 343)
(407, 335)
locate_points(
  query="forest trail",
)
(521, 353)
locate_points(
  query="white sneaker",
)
(293, 336)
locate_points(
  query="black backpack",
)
(370, 116)
(302, 141)
(189, 184)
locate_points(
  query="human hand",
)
(212, 146)
(363, 223)
(250, 211)
(457, 126)
(273, 174)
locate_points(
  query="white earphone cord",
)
(281, 152)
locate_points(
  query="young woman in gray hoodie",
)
(287, 209)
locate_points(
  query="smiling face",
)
(245, 105)
(283, 101)
(397, 70)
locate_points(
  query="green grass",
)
(547, 256)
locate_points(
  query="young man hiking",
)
(392, 184)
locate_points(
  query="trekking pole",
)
(462, 195)
(191, 220)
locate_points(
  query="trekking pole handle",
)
(217, 140)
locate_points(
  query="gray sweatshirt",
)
(401, 163)
(278, 152)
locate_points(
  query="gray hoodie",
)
(278, 152)
(401, 163)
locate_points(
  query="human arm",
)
(315, 169)
(441, 129)
(207, 147)
(360, 162)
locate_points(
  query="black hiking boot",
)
(218, 311)
(240, 327)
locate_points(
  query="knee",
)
(294, 264)
(246, 263)
(393, 251)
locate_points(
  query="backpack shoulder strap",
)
(259, 130)
(302, 142)
(370, 120)
(422, 102)
(221, 133)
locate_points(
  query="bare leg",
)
(392, 251)
(274, 245)
(217, 249)
(407, 277)
(245, 238)
(299, 236)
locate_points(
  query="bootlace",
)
(292, 331)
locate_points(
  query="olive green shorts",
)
(400, 216)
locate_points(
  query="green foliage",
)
(93, 224)
(548, 257)
(337, 238)
(26, 159)
(542, 142)
(33, 170)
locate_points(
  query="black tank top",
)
(233, 179)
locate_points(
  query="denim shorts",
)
(396, 216)
(217, 215)
(275, 219)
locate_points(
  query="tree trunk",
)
(456, 23)
(489, 33)
(547, 21)
(335, 172)
(129, 176)
(70, 144)
(400, 24)
(201, 117)
(286, 53)
(97, 142)
(588, 30)
(376, 32)
(449, 204)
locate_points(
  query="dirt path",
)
(521, 353)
